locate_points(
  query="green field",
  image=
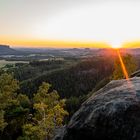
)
(4, 62)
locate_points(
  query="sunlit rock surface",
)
(112, 113)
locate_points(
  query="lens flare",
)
(122, 65)
(130, 84)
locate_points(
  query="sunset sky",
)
(68, 23)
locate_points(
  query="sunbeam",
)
(130, 84)
(123, 65)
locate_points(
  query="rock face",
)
(112, 113)
(6, 50)
(136, 74)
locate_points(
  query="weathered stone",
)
(112, 113)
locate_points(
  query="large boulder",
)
(112, 113)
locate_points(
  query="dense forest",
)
(72, 78)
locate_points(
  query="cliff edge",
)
(112, 113)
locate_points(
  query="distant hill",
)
(6, 50)
(112, 52)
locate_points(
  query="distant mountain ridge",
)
(6, 50)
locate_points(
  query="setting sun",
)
(116, 45)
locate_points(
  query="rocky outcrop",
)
(6, 50)
(112, 113)
(136, 74)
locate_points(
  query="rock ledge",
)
(112, 113)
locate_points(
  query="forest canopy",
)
(25, 119)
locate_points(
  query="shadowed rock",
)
(136, 74)
(112, 113)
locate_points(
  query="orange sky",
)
(63, 44)
(52, 43)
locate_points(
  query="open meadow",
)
(4, 62)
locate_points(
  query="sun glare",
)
(116, 46)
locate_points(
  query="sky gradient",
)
(61, 23)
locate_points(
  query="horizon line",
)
(66, 44)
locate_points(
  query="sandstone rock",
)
(136, 74)
(112, 113)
